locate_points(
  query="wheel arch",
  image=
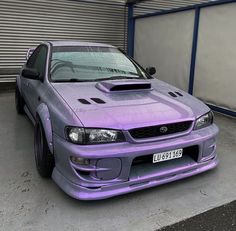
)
(18, 83)
(43, 114)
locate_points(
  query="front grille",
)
(191, 151)
(160, 130)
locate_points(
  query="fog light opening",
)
(79, 160)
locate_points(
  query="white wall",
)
(215, 73)
(166, 42)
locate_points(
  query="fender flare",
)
(18, 83)
(44, 116)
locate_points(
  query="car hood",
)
(97, 106)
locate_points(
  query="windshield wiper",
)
(74, 80)
(118, 77)
(61, 63)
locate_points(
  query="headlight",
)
(204, 121)
(93, 136)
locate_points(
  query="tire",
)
(44, 159)
(19, 101)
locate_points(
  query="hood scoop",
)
(124, 85)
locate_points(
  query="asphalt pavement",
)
(222, 218)
(28, 202)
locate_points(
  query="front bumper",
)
(131, 178)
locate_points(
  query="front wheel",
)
(44, 159)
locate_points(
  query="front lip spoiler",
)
(83, 193)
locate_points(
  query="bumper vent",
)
(160, 130)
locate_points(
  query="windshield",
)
(89, 63)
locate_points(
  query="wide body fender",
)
(18, 83)
(44, 115)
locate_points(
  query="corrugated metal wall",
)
(151, 6)
(25, 24)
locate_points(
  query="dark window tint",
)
(38, 59)
(32, 58)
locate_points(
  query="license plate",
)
(169, 155)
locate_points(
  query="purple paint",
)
(112, 169)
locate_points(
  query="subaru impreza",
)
(104, 126)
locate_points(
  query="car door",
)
(33, 88)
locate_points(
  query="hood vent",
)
(123, 85)
(175, 94)
(97, 100)
(178, 93)
(84, 101)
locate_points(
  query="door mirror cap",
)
(151, 70)
(30, 73)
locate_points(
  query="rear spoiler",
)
(29, 53)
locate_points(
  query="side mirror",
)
(151, 70)
(30, 73)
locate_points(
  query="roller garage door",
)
(25, 24)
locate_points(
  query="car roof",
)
(77, 43)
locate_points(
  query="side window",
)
(32, 58)
(38, 59)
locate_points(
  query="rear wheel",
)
(43, 157)
(19, 101)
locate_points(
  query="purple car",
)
(104, 126)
